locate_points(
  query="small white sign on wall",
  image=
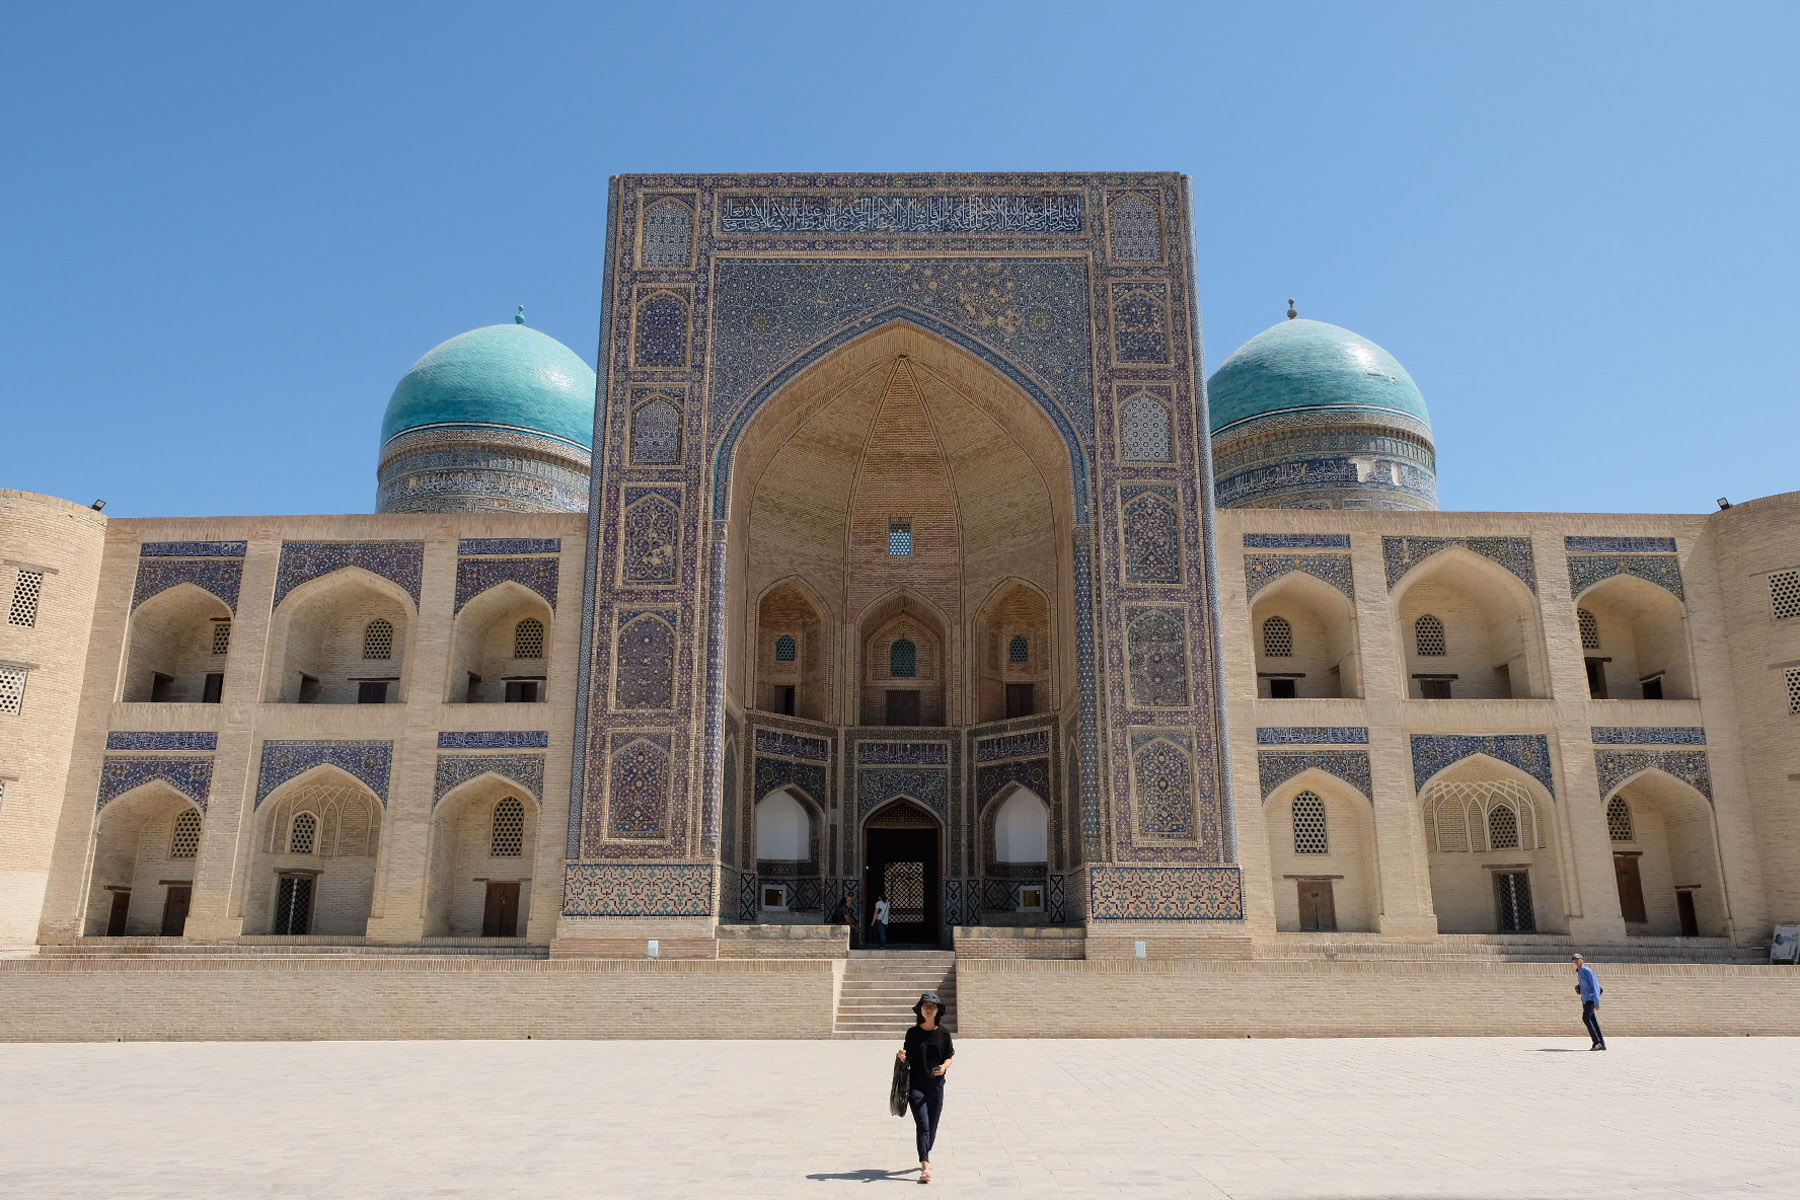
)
(1786, 946)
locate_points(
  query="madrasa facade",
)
(901, 548)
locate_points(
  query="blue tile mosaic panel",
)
(650, 542)
(1013, 745)
(1165, 893)
(1034, 773)
(646, 656)
(220, 576)
(1156, 657)
(454, 770)
(1653, 735)
(500, 739)
(1312, 735)
(1260, 570)
(1140, 313)
(1530, 752)
(1620, 545)
(773, 773)
(793, 745)
(1297, 541)
(501, 547)
(637, 890)
(1615, 768)
(903, 753)
(192, 777)
(902, 212)
(1162, 770)
(1152, 525)
(128, 740)
(402, 563)
(1402, 554)
(194, 549)
(1664, 570)
(476, 575)
(639, 785)
(1275, 768)
(369, 762)
(875, 786)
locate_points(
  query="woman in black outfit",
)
(927, 1055)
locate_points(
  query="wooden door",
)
(1690, 922)
(175, 909)
(121, 909)
(501, 916)
(1631, 887)
(1318, 912)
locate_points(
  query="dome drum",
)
(450, 469)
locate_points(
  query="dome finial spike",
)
(519, 317)
(1292, 311)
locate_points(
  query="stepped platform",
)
(880, 987)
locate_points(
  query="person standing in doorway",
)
(1589, 989)
(927, 1054)
(882, 911)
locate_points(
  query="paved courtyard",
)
(1514, 1117)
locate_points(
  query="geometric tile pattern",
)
(192, 777)
(220, 576)
(1661, 735)
(1013, 745)
(1134, 229)
(773, 773)
(1620, 545)
(402, 563)
(1034, 773)
(367, 761)
(650, 545)
(793, 745)
(1615, 767)
(162, 741)
(876, 786)
(507, 739)
(1164, 776)
(1117, 893)
(640, 785)
(1297, 541)
(1145, 431)
(637, 890)
(1157, 656)
(1260, 570)
(646, 656)
(1312, 735)
(454, 770)
(1275, 768)
(194, 549)
(1664, 570)
(476, 575)
(1530, 752)
(1402, 554)
(500, 547)
(1152, 535)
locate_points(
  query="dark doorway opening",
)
(1690, 921)
(902, 707)
(1019, 700)
(900, 864)
(1631, 888)
(500, 918)
(175, 909)
(116, 916)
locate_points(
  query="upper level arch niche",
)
(1304, 632)
(177, 648)
(342, 638)
(794, 653)
(501, 649)
(1634, 641)
(1492, 645)
(1014, 667)
(900, 463)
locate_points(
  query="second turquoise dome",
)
(499, 375)
(1301, 364)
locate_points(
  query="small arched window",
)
(1503, 828)
(186, 840)
(528, 638)
(1428, 636)
(1590, 629)
(1018, 650)
(508, 839)
(1309, 824)
(304, 834)
(378, 639)
(786, 648)
(1618, 820)
(1278, 638)
(903, 659)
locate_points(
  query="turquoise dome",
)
(1301, 364)
(499, 375)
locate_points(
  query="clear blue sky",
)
(229, 229)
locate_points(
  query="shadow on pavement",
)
(870, 1175)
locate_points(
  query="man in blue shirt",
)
(1588, 988)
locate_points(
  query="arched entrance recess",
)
(902, 855)
(1665, 858)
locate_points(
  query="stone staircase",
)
(1515, 948)
(881, 986)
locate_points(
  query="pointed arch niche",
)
(327, 639)
(1483, 818)
(794, 653)
(1671, 850)
(146, 843)
(1322, 856)
(483, 847)
(1492, 646)
(313, 866)
(1636, 644)
(177, 647)
(1316, 625)
(501, 648)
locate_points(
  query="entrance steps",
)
(1505, 947)
(881, 986)
(281, 947)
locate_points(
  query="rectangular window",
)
(26, 590)
(1512, 902)
(784, 700)
(902, 708)
(1596, 677)
(900, 541)
(1653, 689)
(309, 689)
(371, 691)
(12, 690)
(215, 687)
(1784, 594)
(1434, 689)
(1282, 689)
(521, 691)
(1019, 700)
(162, 688)
(221, 637)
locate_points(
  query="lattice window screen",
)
(1793, 686)
(1278, 638)
(1144, 433)
(903, 659)
(1428, 634)
(221, 637)
(305, 834)
(1512, 902)
(900, 542)
(1590, 629)
(378, 640)
(1618, 820)
(12, 690)
(1018, 650)
(668, 232)
(786, 648)
(509, 829)
(1784, 594)
(185, 841)
(1503, 829)
(26, 591)
(528, 638)
(1309, 824)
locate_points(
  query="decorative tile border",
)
(793, 745)
(1260, 570)
(1402, 554)
(192, 777)
(368, 761)
(1615, 767)
(1664, 570)
(1620, 545)
(454, 770)
(1312, 735)
(1275, 768)
(161, 741)
(194, 549)
(402, 563)
(1012, 745)
(772, 773)
(637, 890)
(919, 754)
(476, 575)
(1165, 893)
(1653, 735)
(505, 739)
(1034, 773)
(469, 547)
(220, 576)
(1530, 752)
(1297, 541)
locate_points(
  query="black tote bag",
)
(898, 1088)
